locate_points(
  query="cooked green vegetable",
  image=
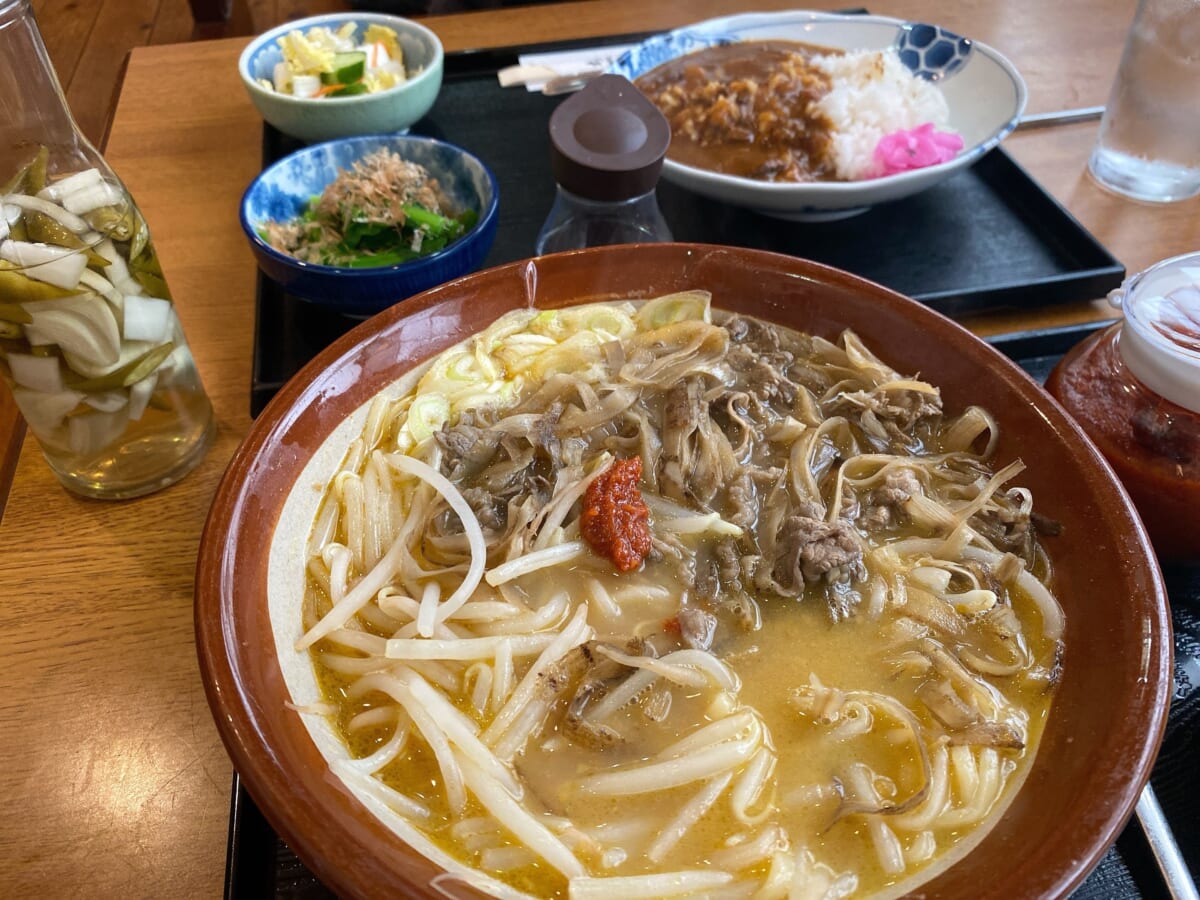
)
(384, 212)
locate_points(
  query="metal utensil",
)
(1060, 117)
(1162, 844)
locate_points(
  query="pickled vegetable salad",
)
(326, 63)
(383, 212)
(87, 328)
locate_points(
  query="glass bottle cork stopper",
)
(1160, 338)
(607, 142)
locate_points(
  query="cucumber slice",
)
(348, 68)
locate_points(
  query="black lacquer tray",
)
(989, 238)
(260, 864)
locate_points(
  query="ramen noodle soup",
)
(645, 599)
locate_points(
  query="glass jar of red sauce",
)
(1135, 389)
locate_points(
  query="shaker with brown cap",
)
(607, 146)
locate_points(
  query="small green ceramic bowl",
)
(326, 118)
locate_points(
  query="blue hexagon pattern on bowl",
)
(932, 52)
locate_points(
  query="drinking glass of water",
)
(1149, 144)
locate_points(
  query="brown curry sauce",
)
(747, 109)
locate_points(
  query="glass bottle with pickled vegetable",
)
(90, 342)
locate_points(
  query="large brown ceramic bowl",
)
(1107, 718)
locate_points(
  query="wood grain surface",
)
(113, 773)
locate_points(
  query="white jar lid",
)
(1160, 340)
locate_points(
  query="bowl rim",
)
(240, 717)
(486, 215)
(833, 189)
(431, 70)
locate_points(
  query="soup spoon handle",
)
(1061, 117)
(1162, 844)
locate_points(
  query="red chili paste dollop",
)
(615, 519)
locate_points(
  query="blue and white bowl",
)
(326, 118)
(282, 192)
(985, 93)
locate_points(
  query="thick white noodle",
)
(812, 880)
(887, 845)
(602, 601)
(750, 852)
(575, 633)
(725, 729)
(428, 726)
(691, 668)
(502, 676)
(517, 819)
(527, 723)
(354, 520)
(749, 788)
(921, 849)
(561, 507)
(778, 883)
(337, 558)
(966, 772)
(1053, 619)
(991, 783)
(372, 644)
(477, 684)
(478, 825)
(363, 591)
(648, 887)
(658, 776)
(487, 611)
(504, 859)
(566, 552)
(427, 611)
(374, 718)
(622, 694)
(397, 604)
(466, 648)
(691, 813)
(386, 753)
(392, 799)
(678, 674)
(470, 523)
(935, 801)
(549, 615)
(462, 732)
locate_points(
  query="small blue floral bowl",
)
(282, 192)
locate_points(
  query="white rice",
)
(874, 94)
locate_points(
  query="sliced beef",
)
(741, 502)
(729, 562)
(492, 511)
(467, 448)
(682, 415)
(767, 380)
(896, 412)
(697, 627)
(696, 456)
(754, 332)
(884, 506)
(808, 549)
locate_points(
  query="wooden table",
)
(113, 775)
